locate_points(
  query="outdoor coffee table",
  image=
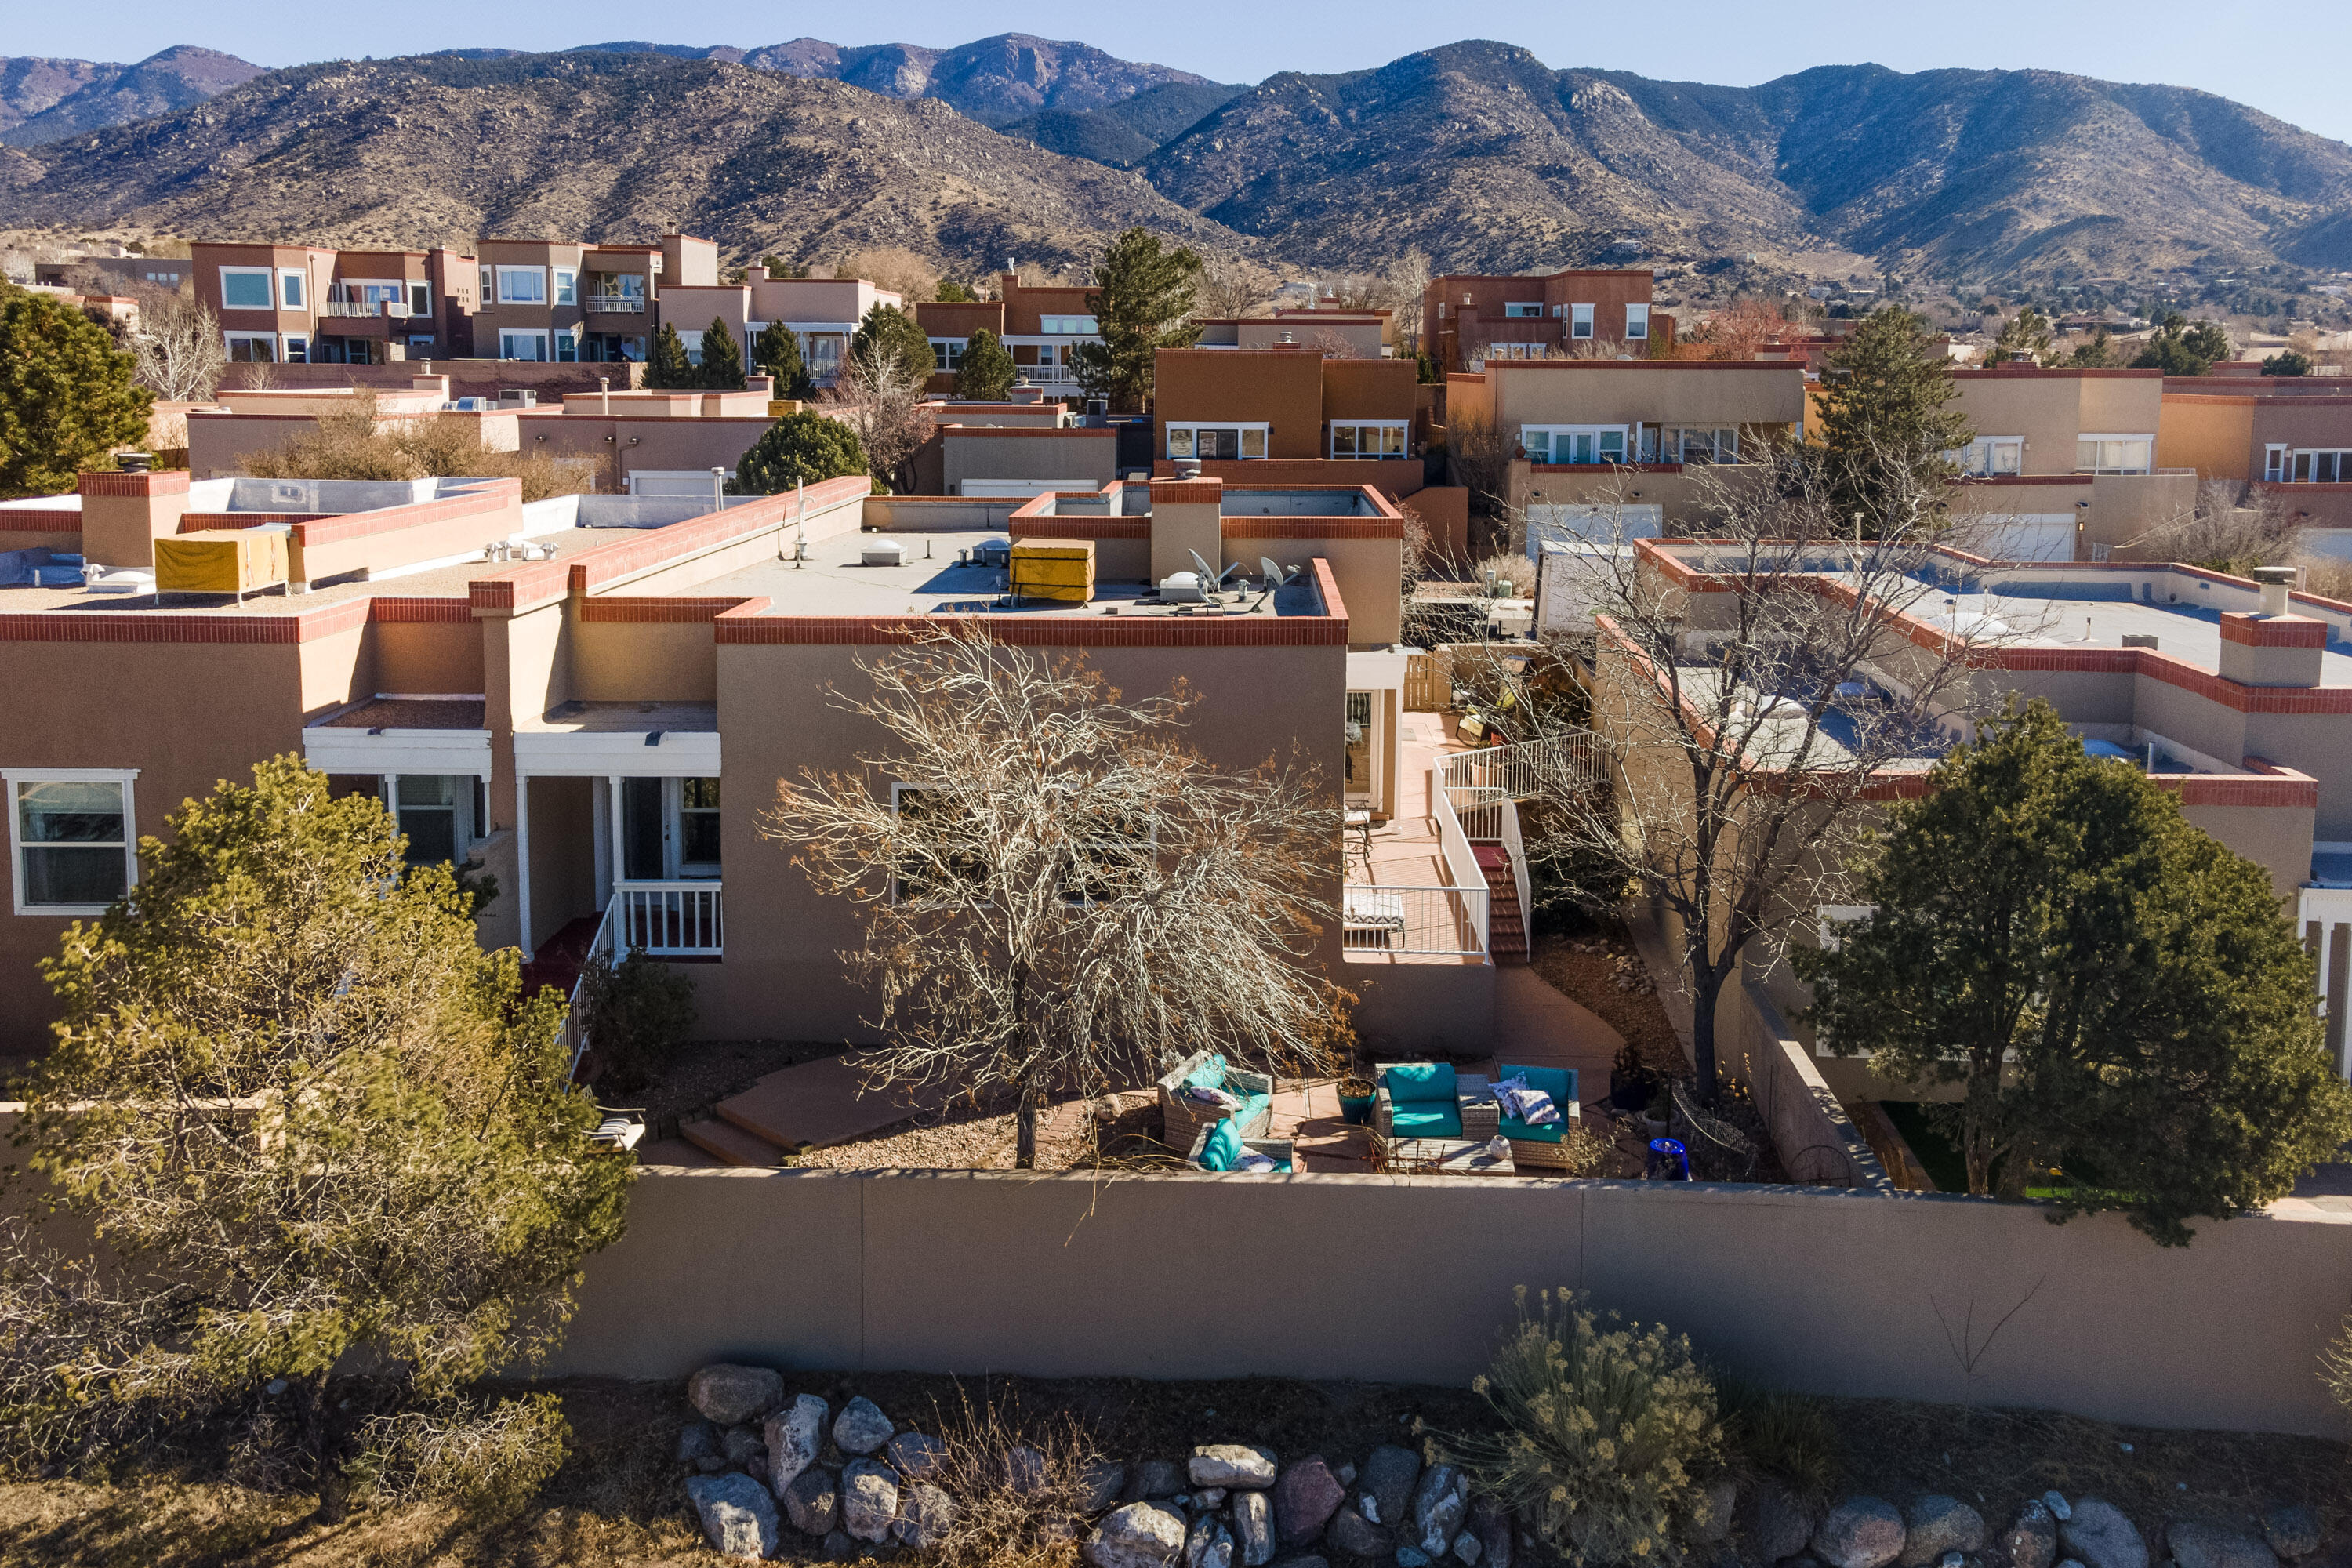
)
(1474, 1095)
(1443, 1157)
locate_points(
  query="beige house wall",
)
(1652, 392)
(1089, 459)
(644, 662)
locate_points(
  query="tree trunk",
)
(322, 1435)
(1981, 1125)
(1706, 986)
(1024, 1140)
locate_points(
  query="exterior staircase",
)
(1507, 923)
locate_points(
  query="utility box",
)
(1054, 569)
(237, 561)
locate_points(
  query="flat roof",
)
(624, 719)
(388, 712)
(2048, 614)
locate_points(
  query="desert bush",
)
(637, 1011)
(1785, 1435)
(358, 446)
(492, 1457)
(2336, 1367)
(1021, 1485)
(1606, 1433)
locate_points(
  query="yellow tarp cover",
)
(220, 561)
(1054, 569)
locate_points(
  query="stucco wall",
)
(1089, 459)
(1654, 392)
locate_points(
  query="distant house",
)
(1471, 318)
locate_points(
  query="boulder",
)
(839, 1547)
(1103, 1481)
(1154, 1478)
(2292, 1528)
(1439, 1504)
(812, 1501)
(1934, 1524)
(869, 1498)
(1253, 1529)
(1386, 1485)
(925, 1514)
(1411, 1557)
(916, 1457)
(2217, 1546)
(1230, 1464)
(861, 1428)
(1467, 1550)
(1308, 1561)
(739, 1442)
(1025, 1467)
(738, 1515)
(2096, 1532)
(1209, 1545)
(1721, 1496)
(1305, 1498)
(2033, 1540)
(1779, 1523)
(697, 1441)
(1860, 1532)
(724, 1394)
(1352, 1533)
(756, 1466)
(1138, 1535)
(1492, 1521)
(795, 1436)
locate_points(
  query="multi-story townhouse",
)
(2290, 437)
(1234, 408)
(266, 296)
(821, 312)
(1470, 319)
(2064, 465)
(560, 301)
(308, 304)
(1360, 334)
(1039, 324)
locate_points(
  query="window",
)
(1637, 324)
(567, 345)
(567, 286)
(428, 807)
(933, 863)
(289, 290)
(2113, 454)
(1573, 443)
(2323, 468)
(420, 298)
(821, 352)
(1579, 320)
(2274, 463)
(1691, 444)
(1512, 308)
(1384, 439)
(697, 827)
(522, 345)
(245, 288)
(74, 846)
(1066, 326)
(523, 285)
(1992, 455)
(1216, 442)
(693, 341)
(1360, 752)
(252, 348)
(486, 295)
(297, 348)
(948, 351)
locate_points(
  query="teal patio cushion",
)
(1224, 1147)
(1435, 1122)
(1251, 1107)
(1210, 1074)
(1518, 1131)
(1558, 1082)
(1414, 1083)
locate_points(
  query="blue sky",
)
(2268, 53)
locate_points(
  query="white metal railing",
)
(364, 308)
(1461, 860)
(1441, 921)
(668, 919)
(616, 304)
(1046, 375)
(1516, 847)
(1489, 815)
(1525, 769)
(576, 1027)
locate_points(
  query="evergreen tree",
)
(2099, 353)
(2182, 348)
(951, 292)
(1142, 302)
(67, 396)
(722, 358)
(800, 449)
(889, 334)
(988, 372)
(2025, 339)
(2290, 361)
(1883, 401)
(670, 369)
(779, 356)
(2129, 1014)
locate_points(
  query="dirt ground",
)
(617, 1501)
(705, 1071)
(1585, 965)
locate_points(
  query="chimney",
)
(2275, 580)
(124, 515)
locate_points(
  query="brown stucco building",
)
(1472, 318)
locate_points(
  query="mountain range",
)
(1478, 153)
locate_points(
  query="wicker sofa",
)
(1183, 1119)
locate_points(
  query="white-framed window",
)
(289, 289)
(523, 285)
(821, 352)
(1637, 324)
(567, 286)
(1066, 326)
(697, 827)
(436, 812)
(420, 298)
(245, 288)
(2275, 462)
(1515, 307)
(1690, 444)
(73, 843)
(522, 345)
(1573, 443)
(486, 294)
(251, 348)
(2113, 454)
(1992, 455)
(1215, 442)
(1369, 438)
(567, 344)
(2322, 466)
(1579, 320)
(948, 351)
(693, 341)
(297, 348)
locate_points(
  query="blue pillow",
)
(1413, 1082)
(1224, 1147)
(1210, 1074)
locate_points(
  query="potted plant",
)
(1356, 1099)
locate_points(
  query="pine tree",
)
(2024, 337)
(722, 359)
(1883, 400)
(779, 356)
(988, 372)
(67, 396)
(670, 368)
(1142, 303)
(888, 333)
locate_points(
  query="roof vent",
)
(882, 553)
(1188, 467)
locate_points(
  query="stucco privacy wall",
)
(1409, 1279)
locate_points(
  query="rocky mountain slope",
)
(422, 151)
(994, 80)
(1125, 134)
(45, 99)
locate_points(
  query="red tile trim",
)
(661, 546)
(1311, 528)
(39, 519)
(420, 611)
(309, 626)
(1186, 492)
(161, 482)
(1079, 527)
(615, 609)
(1026, 432)
(746, 626)
(1600, 470)
(1327, 588)
(2272, 631)
(199, 522)
(2291, 790)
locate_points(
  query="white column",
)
(522, 858)
(620, 840)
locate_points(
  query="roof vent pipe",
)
(2275, 580)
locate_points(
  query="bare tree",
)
(884, 400)
(1232, 290)
(896, 268)
(1403, 285)
(1480, 452)
(1331, 343)
(1057, 894)
(177, 348)
(2232, 527)
(1754, 695)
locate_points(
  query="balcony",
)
(615, 304)
(668, 919)
(365, 308)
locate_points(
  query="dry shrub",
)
(2329, 576)
(358, 446)
(2336, 1367)
(1787, 1436)
(896, 268)
(492, 1457)
(1019, 1484)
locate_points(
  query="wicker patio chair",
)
(1183, 1118)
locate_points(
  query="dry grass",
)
(357, 446)
(1019, 1481)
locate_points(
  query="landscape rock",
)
(812, 1501)
(2292, 1528)
(2096, 1532)
(1103, 1480)
(1208, 1496)
(917, 1456)
(1305, 1498)
(1722, 1495)
(1438, 1505)
(1209, 1545)
(1492, 1521)
(756, 1466)
(925, 1513)
(738, 1516)
(725, 1394)
(1386, 1484)
(1860, 1532)
(2216, 1546)
(1411, 1557)
(1155, 1479)
(1253, 1529)
(739, 1442)
(2033, 1540)
(861, 1428)
(1347, 1474)
(1026, 1468)
(839, 1547)
(697, 1441)
(869, 1498)
(2056, 1503)
(1467, 1549)
(795, 1436)
(1229, 1465)
(1352, 1533)
(1310, 1562)
(1779, 1523)
(1139, 1536)
(1936, 1524)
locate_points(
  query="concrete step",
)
(730, 1144)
